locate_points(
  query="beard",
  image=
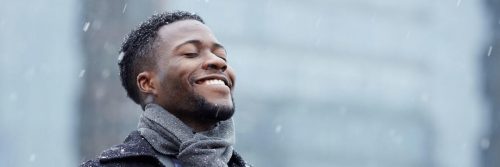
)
(190, 105)
(209, 111)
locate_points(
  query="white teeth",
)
(214, 82)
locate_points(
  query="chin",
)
(214, 111)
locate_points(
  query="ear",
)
(147, 83)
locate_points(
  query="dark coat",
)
(136, 151)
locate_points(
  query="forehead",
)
(178, 32)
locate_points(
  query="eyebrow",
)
(198, 42)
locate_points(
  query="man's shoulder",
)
(134, 151)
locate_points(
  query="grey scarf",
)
(171, 137)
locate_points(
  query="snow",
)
(32, 158)
(489, 51)
(13, 96)
(408, 34)
(82, 73)
(124, 8)
(29, 74)
(86, 26)
(318, 21)
(277, 129)
(120, 56)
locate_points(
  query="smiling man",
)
(174, 67)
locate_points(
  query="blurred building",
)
(356, 83)
(491, 74)
(319, 83)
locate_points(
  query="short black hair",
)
(137, 51)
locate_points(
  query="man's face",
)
(195, 81)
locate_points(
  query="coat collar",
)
(137, 146)
(134, 146)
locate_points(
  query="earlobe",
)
(146, 83)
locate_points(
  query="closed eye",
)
(191, 55)
(223, 58)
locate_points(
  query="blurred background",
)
(351, 83)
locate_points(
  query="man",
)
(174, 67)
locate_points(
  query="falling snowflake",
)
(120, 56)
(82, 73)
(124, 8)
(489, 51)
(13, 96)
(86, 26)
(277, 129)
(32, 158)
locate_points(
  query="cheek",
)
(231, 74)
(179, 76)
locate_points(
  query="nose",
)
(214, 62)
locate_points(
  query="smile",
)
(214, 80)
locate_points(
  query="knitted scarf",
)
(171, 137)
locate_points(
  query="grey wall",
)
(39, 65)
